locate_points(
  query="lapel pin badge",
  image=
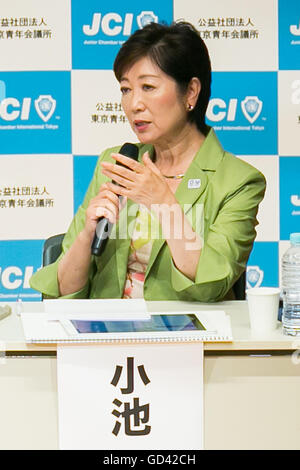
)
(194, 183)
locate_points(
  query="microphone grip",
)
(103, 231)
(104, 227)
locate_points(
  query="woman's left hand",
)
(143, 184)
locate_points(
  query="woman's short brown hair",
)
(179, 52)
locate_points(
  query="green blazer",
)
(221, 205)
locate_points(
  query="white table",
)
(251, 386)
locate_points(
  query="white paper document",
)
(132, 327)
(101, 309)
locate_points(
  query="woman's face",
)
(152, 103)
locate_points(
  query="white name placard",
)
(131, 396)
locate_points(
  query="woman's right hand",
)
(73, 268)
(105, 204)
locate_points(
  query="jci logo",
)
(251, 107)
(12, 109)
(254, 276)
(45, 106)
(13, 277)
(113, 24)
(218, 110)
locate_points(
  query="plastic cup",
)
(263, 303)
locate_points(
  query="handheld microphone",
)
(104, 226)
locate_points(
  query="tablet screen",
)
(185, 322)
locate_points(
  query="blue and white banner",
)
(18, 261)
(263, 265)
(289, 35)
(243, 111)
(35, 112)
(289, 196)
(99, 29)
(60, 107)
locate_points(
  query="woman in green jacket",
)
(186, 224)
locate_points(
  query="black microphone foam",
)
(104, 226)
